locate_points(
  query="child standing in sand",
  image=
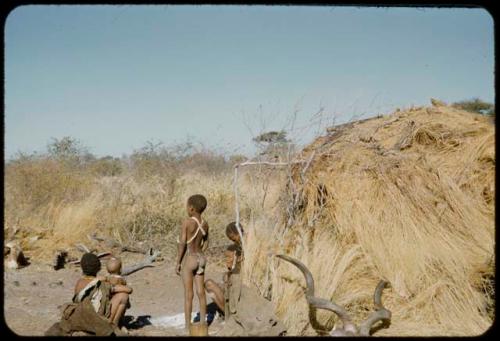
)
(193, 236)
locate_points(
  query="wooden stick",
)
(235, 184)
(147, 262)
(113, 243)
(227, 288)
(83, 248)
(99, 255)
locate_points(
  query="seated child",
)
(192, 241)
(118, 296)
(122, 302)
(114, 267)
(91, 305)
(234, 257)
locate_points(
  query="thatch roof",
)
(407, 197)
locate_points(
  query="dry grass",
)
(132, 211)
(146, 203)
(61, 202)
(408, 198)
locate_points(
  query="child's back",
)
(192, 241)
(196, 232)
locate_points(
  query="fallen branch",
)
(144, 264)
(114, 244)
(99, 255)
(83, 248)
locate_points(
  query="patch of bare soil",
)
(34, 295)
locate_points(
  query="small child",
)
(234, 257)
(92, 304)
(233, 253)
(120, 298)
(114, 267)
(193, 240)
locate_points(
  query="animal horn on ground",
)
(348, 327)
(381, 313)
(316, 302)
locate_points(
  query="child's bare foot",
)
(120, 331)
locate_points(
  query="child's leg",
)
(187, 280)
(199, 281)
(217, 291)
(118, 306)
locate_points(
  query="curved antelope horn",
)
(316, 302)
(381, 313)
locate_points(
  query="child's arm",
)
(121, 288)
(205, 240)
(230, 259)
(181, 247)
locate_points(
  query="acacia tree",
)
(273, 145)
(70, 151)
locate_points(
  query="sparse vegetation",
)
(274, 145)
(476, 105)
(67, 192)
(407, 197)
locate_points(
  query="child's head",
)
(114, 266)
(232, 232)
(196, 203)
(90, 264)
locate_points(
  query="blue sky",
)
(115, 77)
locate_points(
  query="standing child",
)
(194, 235)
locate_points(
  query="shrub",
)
(477, 106)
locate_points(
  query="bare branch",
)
(111, 243)
(235, 184)
(99, 255)
(83, 248)
(304, 170)
(147, 262)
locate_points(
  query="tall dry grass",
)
(144, 201)
(408, 198)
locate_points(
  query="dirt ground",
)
(34, 294)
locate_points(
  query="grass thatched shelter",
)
(407, 197)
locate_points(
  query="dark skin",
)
(188, 271)
(214, 289)
(118, 300)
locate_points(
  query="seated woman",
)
(93, 302)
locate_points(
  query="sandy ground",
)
(33, 296)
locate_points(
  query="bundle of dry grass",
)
(408, 198)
